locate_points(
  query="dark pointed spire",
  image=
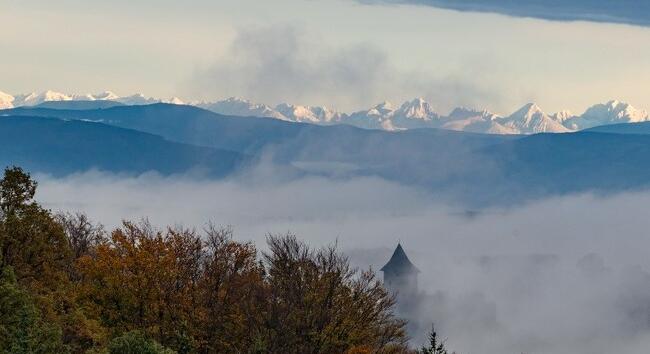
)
(399, 263)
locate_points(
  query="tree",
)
(136, 342)
(22, 328)
(319, 304)
(233, 294)
(83, 236)
(435, 346)
(17, 190)
(31, 241)
(34, 245)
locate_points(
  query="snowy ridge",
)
(33, 99)
(416, 113)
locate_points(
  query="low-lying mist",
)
(559, 275)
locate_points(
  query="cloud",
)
(633, 12)
(286, 64)
(561, 275)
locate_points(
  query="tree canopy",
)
(67, 285)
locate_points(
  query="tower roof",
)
(399, 263)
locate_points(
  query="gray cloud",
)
(634, 12)
(562, 275)
(285, 64)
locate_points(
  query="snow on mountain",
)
(384, 109)
(530, 119)
(563, 116)
(106, 96)
(474, 121)
(309, 114)
(411, 114)
(137, 99)
(6, 100)
(417, 113)
(417, 109)
(33, 98)
(377, 117)
(612, 112)
(173, 100)
(235, 106)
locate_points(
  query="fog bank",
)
(559, 275)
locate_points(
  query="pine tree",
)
(435, 346)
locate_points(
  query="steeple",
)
(400, 275)
(399, 263)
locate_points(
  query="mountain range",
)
(469, 168)
(417, 113)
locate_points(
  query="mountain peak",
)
(417, 108)
(6, 100)
(106, 96)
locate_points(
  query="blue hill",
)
(62, 147)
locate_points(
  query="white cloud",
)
(275, 64)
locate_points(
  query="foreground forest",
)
(68, 285)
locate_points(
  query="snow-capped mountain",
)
(612, 112)
(235, 106)
(309, 114)
(377, 117)
(33, 99)
(562, 116)
(530, 119)
(416, 113)
(474, 121)
(6, 100)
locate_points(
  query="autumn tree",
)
(72, 286)
(144, 279)
(319, 304)
(233, 295)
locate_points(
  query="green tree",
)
(31, 241)
(36, 248)
(435, 346)
(22, 329)
(135, 342)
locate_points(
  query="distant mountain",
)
(555, 164)
(196, 126)
(34, 99)
(234, 106)
(642, 128)
(6, 100)
(61, 147)
(413, 114)
(477, 169)
(98, 104)
(469, 120)
(310, 114)
(531, 119)
(612, 112)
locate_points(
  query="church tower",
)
(400, 275)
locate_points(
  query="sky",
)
(345, 54)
